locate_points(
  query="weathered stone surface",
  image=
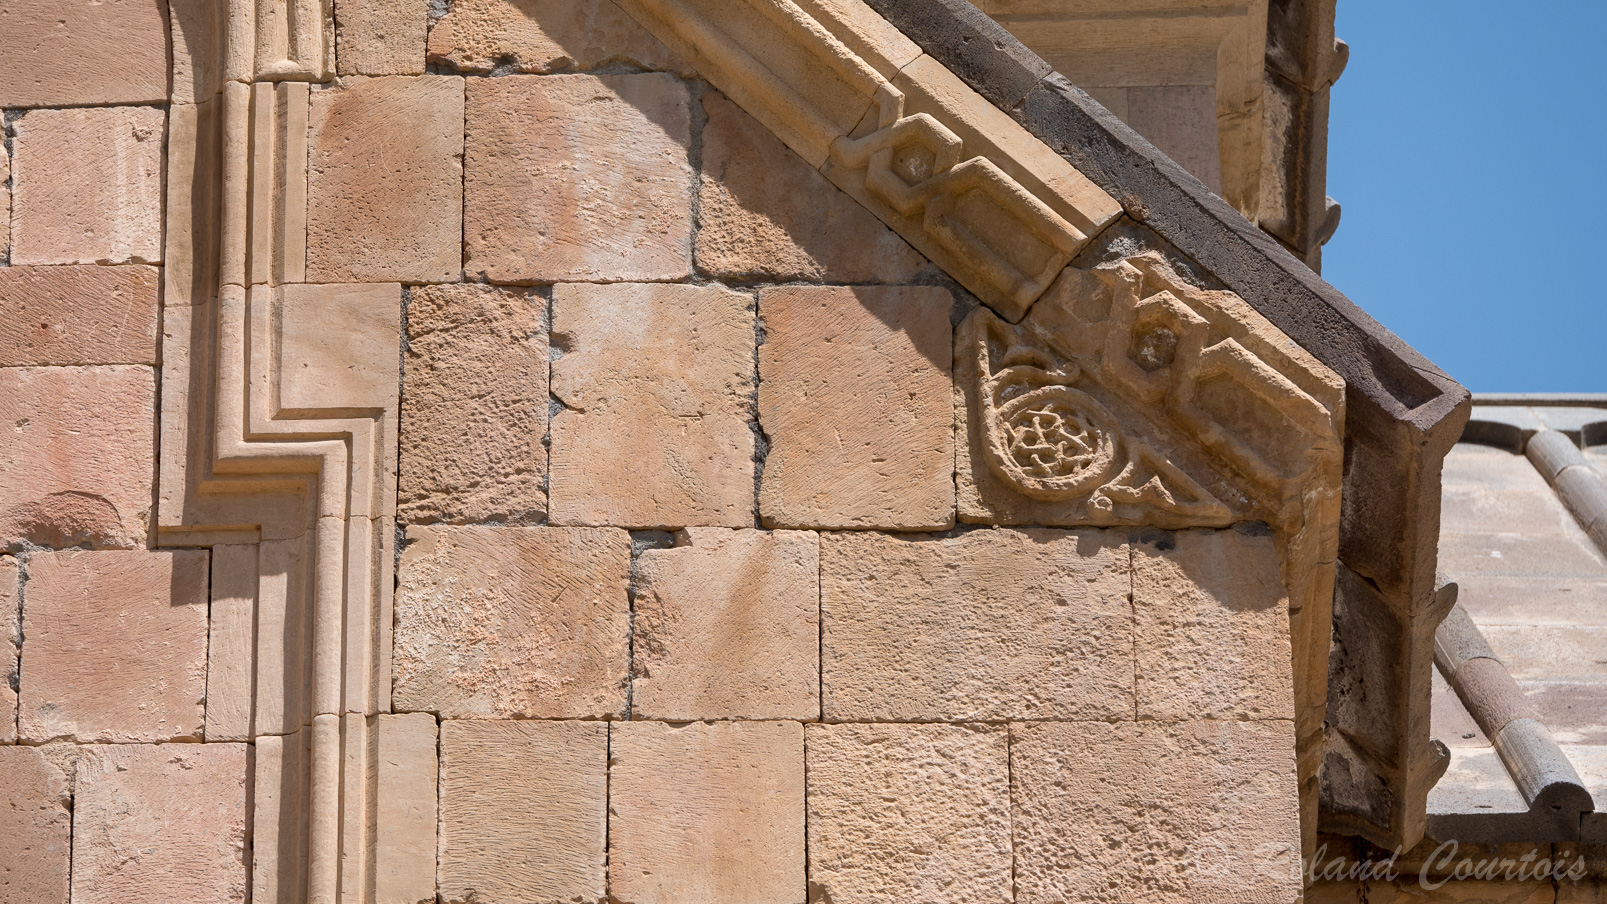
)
(856, 399)
(168, 817)
(987, 625)
(405, 817)
(497, 622)
(544, 36)
(710, 812)
(1409, 890)
(78, 458)
(475, 407)
(909, 813)
(1211, 619)
(380, 37)
(77, 54)
(11, 612)
(1155, 811)
(765, 214)
(656, 382)
(149, 609)
(86, 186)
(728, 627)
(578, 177)
(78, 315)
(523, 811)
(36, 823)
(385, 180)
(5, 202)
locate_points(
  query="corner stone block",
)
(985, 626)
(10, 575)
(543, 36)
(114, 646)
(475, 410)
(909, 813)
(385, 180)
(78, 315)
(36, 823)
(404, 851)
(87, 185)
(728, 627)
(578, 177)
(656, 382)
(503, 622)
(1100, 809)
(711, 812)
(380, 37)
(856, 397)
(165, 816)
(81, 54)
(523, 811)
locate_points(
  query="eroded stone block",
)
(475, 410)
(11, 613)
(987, 625)
(498, 622)
(78, 315)
(36, 823)
(710, 812)
(380, 37)
(728, 627)
(655, 381)
(856, 398)
(544, 36)
(77, 54)
(114, 646)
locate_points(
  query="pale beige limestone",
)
(909, 813)
(474, 412)
(385, 180)
(11, 613)
(231, 648)
(77, 459)
(544, 36)
(1155, 811)
(1180, 120)
(728, 627)
(86, 186)
(1211, 618)
(708, 811)
(855, 397)
(405, 817)
(380, 37)
(36, 823)
(655, 381)
(986, 625)
(78, 315)
(150, 608)
(338, 346)
(497, 622)
(166, 820)
(578, 177)
(765, 214)
(197, 29)
(523, 811)
(76, 54)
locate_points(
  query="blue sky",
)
(1466, 146)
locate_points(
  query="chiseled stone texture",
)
(856, 398)
(76, 53)
(77, 455)
(655, 381)
(497, 622)
(906, 812)
(711, 812)
(544, 36)
(1155, 811)
(385, 180)
(764, 213)
(114, 645)
(36, 823)
(578, 177)
(380, 37)
(986, 625)
(86, 186)
(406, 793)
(1212, 622)
(5, 203)
(11, 612)
(728, 627)
(78, 315)
(474, 406)
(523, 811)
(164, 820)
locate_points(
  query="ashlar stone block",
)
(115, 646)
(11, 612)
(380, 37)
(78, 315)
(711, 812)
(80, 54)
(543, 36)
(856, 398)
(499, 622)
(405, 807)
(984, 626)
(36, 823)
(656, 382)
(728, 627)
